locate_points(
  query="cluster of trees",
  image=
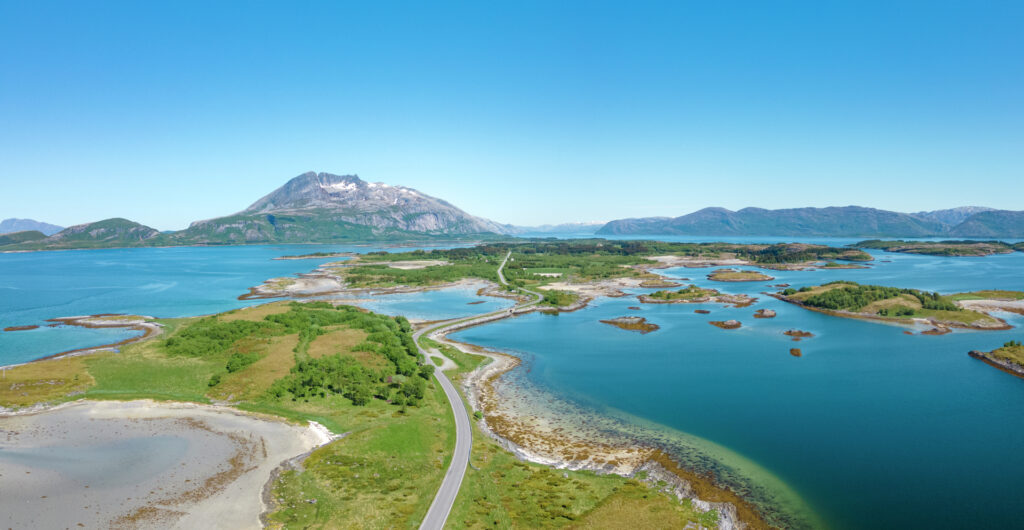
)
(1012, 344)
(402, 380)
(211, 337)
(375, 275)
(854, 297)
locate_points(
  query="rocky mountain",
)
(321, 207)
(952, 216)
(310, 208)
(846, 221)
(991, 224)
(25, 225)
(375, 204)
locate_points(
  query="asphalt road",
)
(437, 515)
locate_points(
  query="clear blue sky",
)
(525, 112)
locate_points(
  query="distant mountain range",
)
(26, 225)
(564, 228)
(846, 221)
(310, 208)
(326, 208)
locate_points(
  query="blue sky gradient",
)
(526, 112)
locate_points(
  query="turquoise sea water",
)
(159, 282)
(872, 428)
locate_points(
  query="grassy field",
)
(989, 295)
(1011, 351)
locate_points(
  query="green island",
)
(692, 294)
(733, 275)
(1009, 357)
(850, 299)
(360, 374)
(942, 248)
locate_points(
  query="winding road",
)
(437, 515)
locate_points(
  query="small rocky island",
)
(764, 313)
(633, 324)
(692, 294)
(734, 275)
(1009, 358)
(726, 324)
(797, 334)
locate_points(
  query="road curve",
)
(437, 515)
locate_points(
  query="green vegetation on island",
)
(733, 275)
(1009, 357)
(889, 303)
(690, 293)
(542, 262)
(940, 248)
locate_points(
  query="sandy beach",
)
(142, 464)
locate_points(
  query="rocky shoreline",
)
(1002, 364)
(542, 441)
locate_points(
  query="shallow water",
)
(159, 282)
(871, 427)
(437, 305)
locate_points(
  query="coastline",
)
(603, 449)
(144, 325)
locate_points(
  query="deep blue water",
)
(871, 427)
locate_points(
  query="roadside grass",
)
(383, 474)
(501, 491)
(53, 380)
(636, 505)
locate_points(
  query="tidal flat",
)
(141, 464)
